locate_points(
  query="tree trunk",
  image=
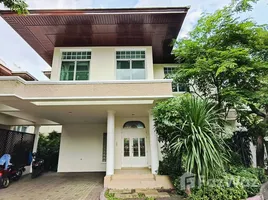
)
(260, 151)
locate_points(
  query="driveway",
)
(56, 186)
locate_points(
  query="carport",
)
(60, 186)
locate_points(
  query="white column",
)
(153, 145)
(36, 139)
(110, 142)
(36, 132)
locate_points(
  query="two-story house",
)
(108, 69)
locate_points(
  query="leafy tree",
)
(226, 59)
(243, 5)
(19, 6)
(191, 128)
(48, 149)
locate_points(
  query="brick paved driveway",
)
(56, 186)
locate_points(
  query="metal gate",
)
(18, 144)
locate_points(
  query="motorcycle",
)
(38, 166)
(13, 173)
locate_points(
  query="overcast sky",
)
(18, 55)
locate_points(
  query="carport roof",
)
(46, 29)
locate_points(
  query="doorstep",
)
(137, 181)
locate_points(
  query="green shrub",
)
(219, 193)
(110, 196)
(48, 149)
(252, 178)
(171, 165)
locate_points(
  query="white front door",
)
(134, 151)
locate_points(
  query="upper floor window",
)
(130, 65)
(75, 65)
(176, 87)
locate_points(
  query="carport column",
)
(110, 142)
(36, 132)
(36, 138)
(153, 145)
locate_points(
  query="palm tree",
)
(198, 137)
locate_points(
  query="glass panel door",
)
(126, 147)
(142, 147)
(135, 147)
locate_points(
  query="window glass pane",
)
(138, 64)
(123, 74)
(182, 87)
(174, 87)
(82, 76)
(142, 146)
(123, 64)
(123, 71)
(67, 70)
(134, 124)
(138, 74)
(82, 66)
(126, 147)
(104, 147)
(23, 128)
(76, 55)
(82, 70)
(135, 147)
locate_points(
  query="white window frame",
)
(75, 62)
(130, 60)
(178, 84)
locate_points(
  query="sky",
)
(18, 55)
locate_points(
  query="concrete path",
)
(56, 186)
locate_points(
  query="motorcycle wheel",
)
(5, 182)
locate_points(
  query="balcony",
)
(54, 90)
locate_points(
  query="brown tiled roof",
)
(46, 29)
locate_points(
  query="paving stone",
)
(163, 194)
(56, 186)
(126, 196)
(170, 198)
(125, 191)
(143, 191)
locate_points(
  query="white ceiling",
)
(68, 114)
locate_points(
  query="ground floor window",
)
(104, 147)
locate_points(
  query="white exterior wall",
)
(103, 61)
(159, 70)
(81, 148)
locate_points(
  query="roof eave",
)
(152, 10)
